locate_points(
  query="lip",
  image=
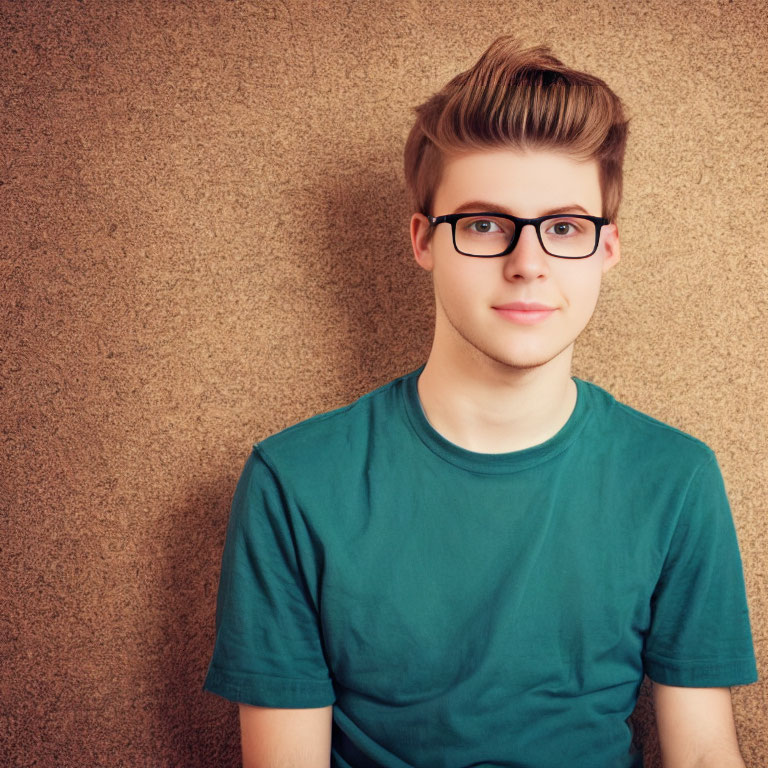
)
(524, 312)
(524, 306)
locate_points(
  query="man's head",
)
(520, 99)
(515, 170)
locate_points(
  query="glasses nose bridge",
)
(520, 225)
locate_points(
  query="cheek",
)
(464, 277)
(583, 288)
(451, 290)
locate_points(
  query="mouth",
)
(524, 312)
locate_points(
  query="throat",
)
(497, 417)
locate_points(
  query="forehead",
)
(525, 182)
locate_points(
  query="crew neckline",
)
(493, 463)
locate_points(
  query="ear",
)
(421, 242)
(611, 246)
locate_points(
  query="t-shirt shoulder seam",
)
(654, 422)
(710, 459)
(331, 414)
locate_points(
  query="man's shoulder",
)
(637, 432)
(337, 432)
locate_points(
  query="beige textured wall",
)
(180, 278)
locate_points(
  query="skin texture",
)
(285, 738)
(490, 384)
(493, 385)
(525, 184)
(696, 728)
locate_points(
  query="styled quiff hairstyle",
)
(518, 99)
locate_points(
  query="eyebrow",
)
(483, 206)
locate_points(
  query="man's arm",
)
(285, 738)
(696, 728)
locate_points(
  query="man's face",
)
(477, 297)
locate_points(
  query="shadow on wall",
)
(194, 727)
(381, 300)
(643, 720)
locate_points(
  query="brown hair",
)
(518, 98)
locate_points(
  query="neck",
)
(488, 407)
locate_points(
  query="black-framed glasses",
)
(485, 235)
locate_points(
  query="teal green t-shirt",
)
(464, 609)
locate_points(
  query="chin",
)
(524, 360)
(512, 352)
(524, 364)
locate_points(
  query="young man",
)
(476, 564)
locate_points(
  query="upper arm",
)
(696, 727)
(285, 738)
(269, 639)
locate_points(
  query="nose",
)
(528, 260)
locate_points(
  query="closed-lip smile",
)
(524, 312)
(524, 306)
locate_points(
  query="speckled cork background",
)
(203, 239)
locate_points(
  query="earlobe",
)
(612, 248)
(421, 242)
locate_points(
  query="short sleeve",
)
(700, 633)
(268, 649)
